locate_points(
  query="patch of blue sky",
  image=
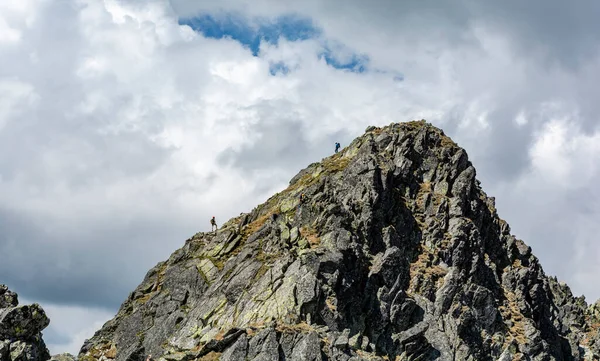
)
(355, 63)
(251, 33)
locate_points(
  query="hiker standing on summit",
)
(337, 146)
(213, 224)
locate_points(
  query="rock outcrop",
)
(395, 253)
(21, 329)
(63, 357)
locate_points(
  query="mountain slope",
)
(395, 254)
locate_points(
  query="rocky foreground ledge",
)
(21, 329)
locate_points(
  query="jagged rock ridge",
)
(20, 329)
(395, 254)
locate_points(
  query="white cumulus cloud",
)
(122, 131)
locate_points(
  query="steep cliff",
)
(395, 253)
(20, 329)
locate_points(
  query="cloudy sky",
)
(126, 124)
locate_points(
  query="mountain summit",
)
(393, 253)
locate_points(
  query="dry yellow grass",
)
(294, 328)
(425, 187)
(253, 327)
(142, 300)
(254, 226)
(218, 262)
(330, 304)
(413, 124)
(424, 190)
(517, 263)
(219, 336)
(311, 236)
(423, 272)
(447, 142)
(111, 353)
(211, 356)
(591, 331)
(261, 271)
(108, 350)
(335, 163)
(160, 278)
(369, 356)
(511, 312)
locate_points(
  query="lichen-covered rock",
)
(394, 253)
(63, 357)
(22, 321)
(20, 329)
(7, 297)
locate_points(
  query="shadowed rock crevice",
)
(395, 253)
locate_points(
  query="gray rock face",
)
(21, 329)
(395, 253)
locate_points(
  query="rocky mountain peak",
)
(387, 250)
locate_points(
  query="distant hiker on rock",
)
(213, 224)
(300, 200)
(337, 146)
